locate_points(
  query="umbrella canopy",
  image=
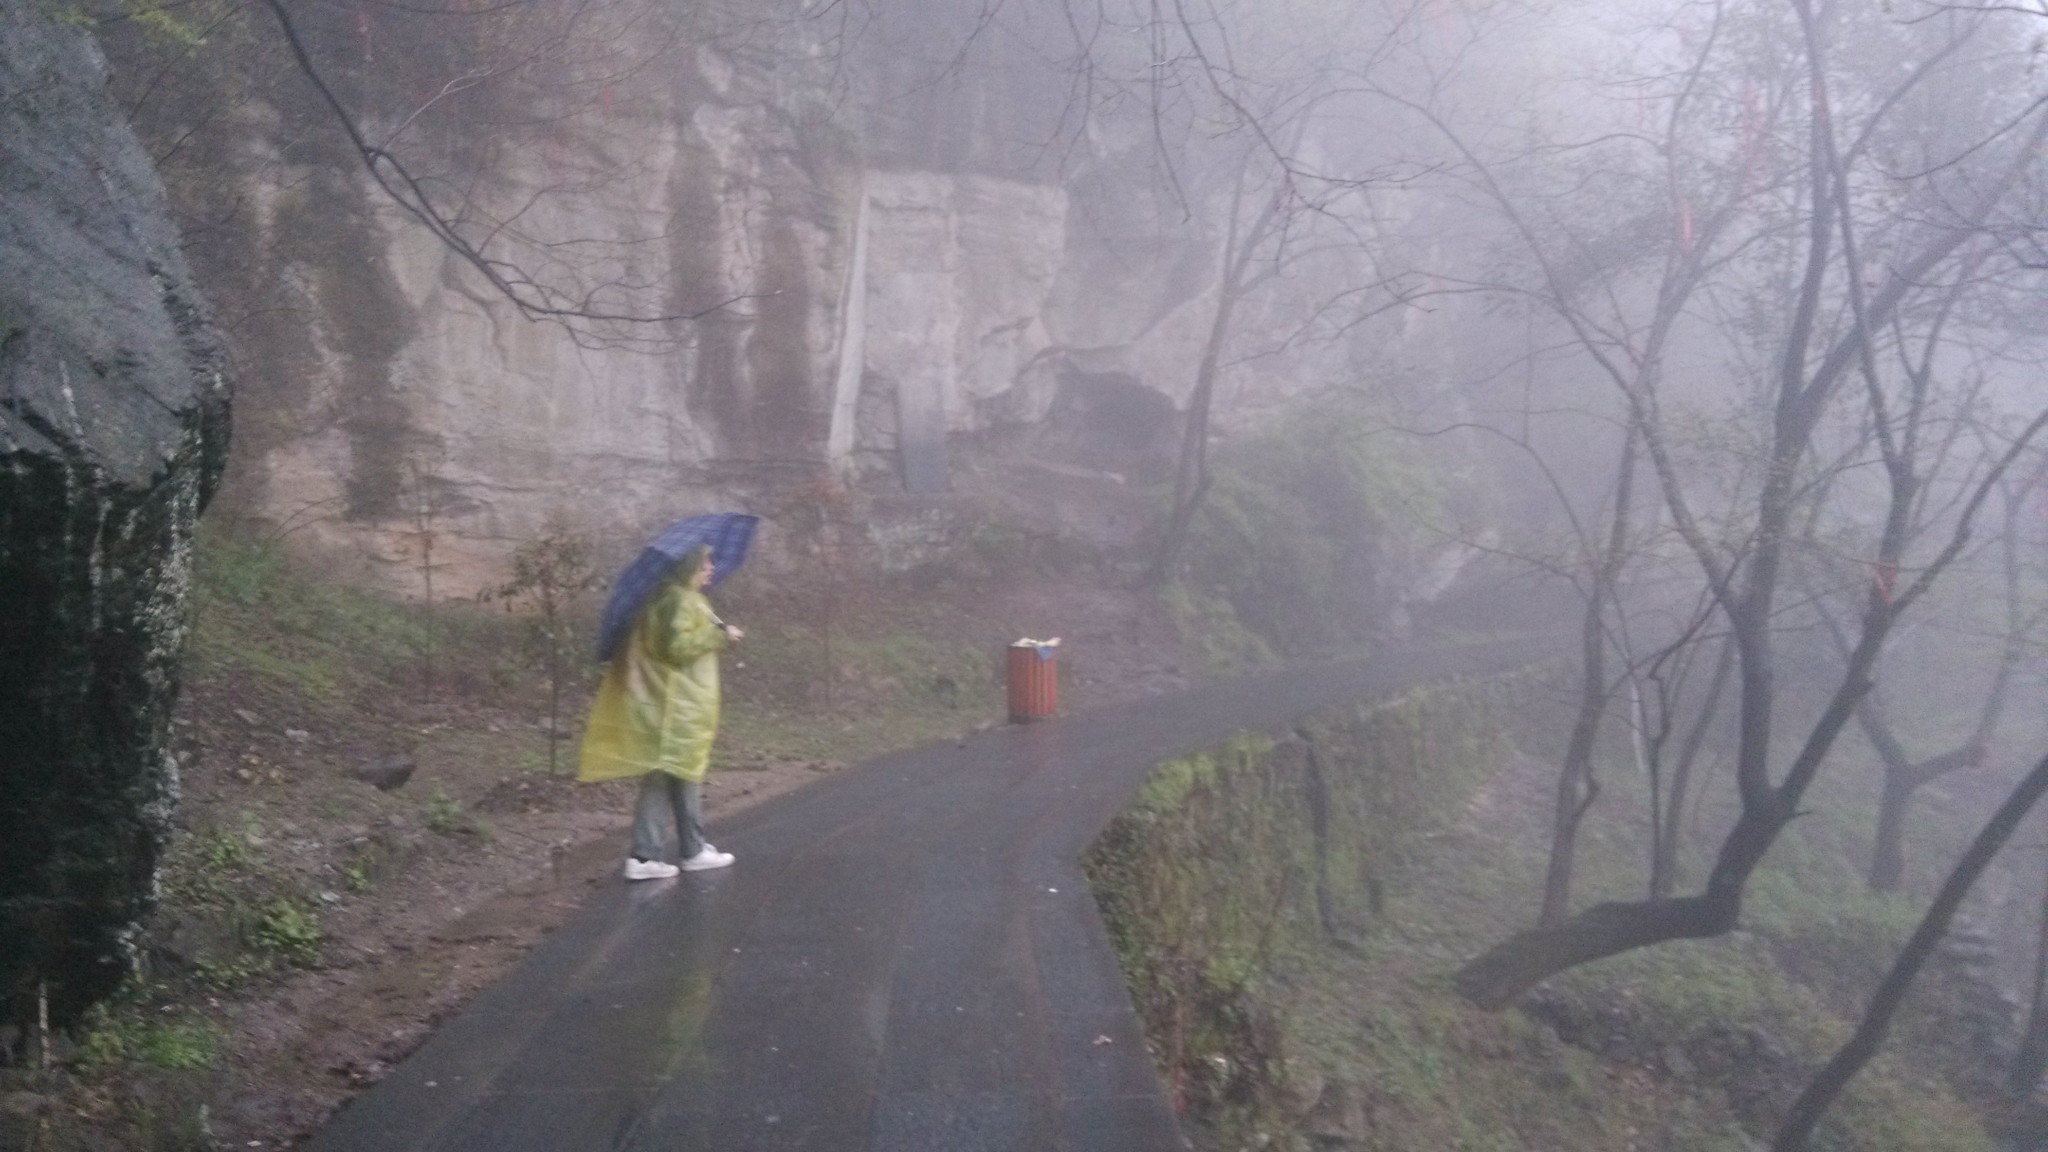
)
(726, 533)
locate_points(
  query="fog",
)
(1738, 310)
(1705, 341)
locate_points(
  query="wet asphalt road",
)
(905, 958)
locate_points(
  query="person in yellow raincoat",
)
(656, 715)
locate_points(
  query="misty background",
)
(1706, 338)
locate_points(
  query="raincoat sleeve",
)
(683, 630)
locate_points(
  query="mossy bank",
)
(1289, 909)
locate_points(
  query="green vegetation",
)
(130, 1032)
(550, 573)
(444, 814)
(357, 876)
(1218, 644)
(167, 28)
(289, 929)
(258, 616)
(291, 634)
(1292, 961)
(218, 851)
(996, 549)
(1318, 822)
(890, 683)
(234, 920)
(1307, 529)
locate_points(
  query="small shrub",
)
(442, 812)
(230, 974)
(223, 850)
(550, 573)
(444, 815)
(356, 876)
(290, 930)
(1220, 645)
(1001, 549)
(1307, 532)
(190, 1045)
(129, 1035)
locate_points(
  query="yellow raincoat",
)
(657, 710)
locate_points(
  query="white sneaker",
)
(707, 859)
(637, 869)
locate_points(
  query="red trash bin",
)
(1034, 669)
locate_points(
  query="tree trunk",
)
(1526, 959)
(1664, 868)
(1888, 846)
(1577, 787)
(1191, 476)
(1191, 479)
(1902, 775)
(1521, 962)
(2031, 1060)
(1577, 784)
(427, 580)
(1813, 1103)
(1807, 378)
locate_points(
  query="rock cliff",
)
(113, 431)
(878, 249)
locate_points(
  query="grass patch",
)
(260, 616)
(133, 1032)
(884, 681)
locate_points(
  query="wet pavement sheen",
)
(905, 958)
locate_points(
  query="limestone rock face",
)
(957, 273)
(863, 276)
(113, 430)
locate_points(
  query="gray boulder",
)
(113, 431)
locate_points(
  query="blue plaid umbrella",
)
(727, 534)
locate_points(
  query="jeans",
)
(664, 797)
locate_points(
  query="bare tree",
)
(1667, 818)
(1577, 785)
(1904, 773)
(1820, 1094)
(1243, 268)
(1279, 193)
(1843, 301)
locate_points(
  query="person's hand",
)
(735, 635)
